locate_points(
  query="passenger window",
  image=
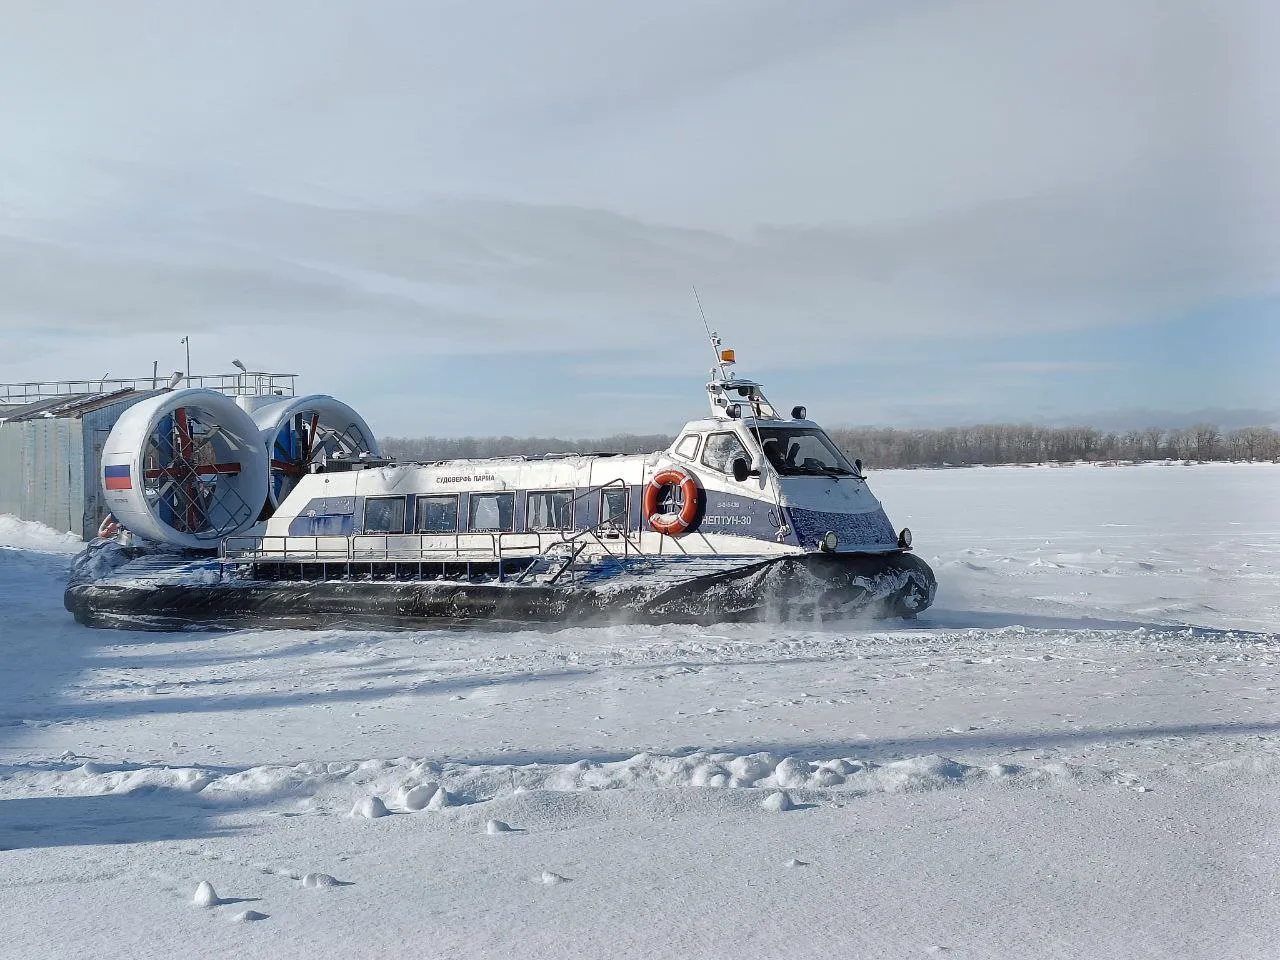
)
(549, 510)
(688, 447)
(492, 512)
(384, 515)
(613, 508)
(721, 450)
(436, 515)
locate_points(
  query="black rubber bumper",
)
(797, 587)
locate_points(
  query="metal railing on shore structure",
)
(248, 384)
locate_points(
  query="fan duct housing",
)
(185, 468)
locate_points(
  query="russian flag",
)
(117, 477)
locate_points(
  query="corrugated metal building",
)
(51, 456)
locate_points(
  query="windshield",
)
(803, 451)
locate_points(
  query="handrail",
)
(576, 541)
(601, 523)
(353, 549)
(413, 547)
(252, 383)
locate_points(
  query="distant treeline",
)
(886, 447)
(1027, 443)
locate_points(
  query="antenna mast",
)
(711, 336)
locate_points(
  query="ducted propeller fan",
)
(302, 431)
(185, 468)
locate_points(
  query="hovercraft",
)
(281, 512)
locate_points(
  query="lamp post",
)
(187, 341)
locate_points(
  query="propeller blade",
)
(182, 423)
(287, 467)
(312, 436)
(214, 431)
(161, 490)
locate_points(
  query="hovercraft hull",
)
(173, 591)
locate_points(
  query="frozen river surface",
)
(1076, 753)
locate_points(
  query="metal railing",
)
(373, 550)
(252, 384)
(487, 548)
(375, 546)
(576, 542)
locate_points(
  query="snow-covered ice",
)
(370, 808)
(418, 796)
(1075, 753)
(778, 802)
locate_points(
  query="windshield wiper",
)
(798, 471)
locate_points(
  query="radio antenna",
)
(712, 336)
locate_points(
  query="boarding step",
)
(553, 563)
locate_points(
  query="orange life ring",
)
(671, 524)
(109, 527)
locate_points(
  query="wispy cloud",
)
(1052, 366)
(853, 182)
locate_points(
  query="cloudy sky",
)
(486, 217)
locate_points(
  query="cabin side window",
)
(436, 515)
(492, 513)
(613, 508)
(721, 450)
(384, 515)
(688, 447)
(549, 510)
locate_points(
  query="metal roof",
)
(71, 406)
